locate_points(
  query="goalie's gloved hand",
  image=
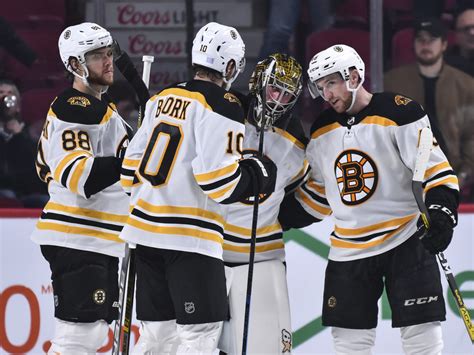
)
(440, 233)
(264, 170)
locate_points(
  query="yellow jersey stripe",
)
(326, 129)
(288, 136)
(374, 227)
(434, 169)
(78, 230)
(126, 182)
(222, 192)
(76, 175)
(193, 95)
(105, 216)
(320, 209)
(347, 244)
(107, 115)
(378, 120)
(449, 180)
(131, 163)
(318, 188)
(187, 232)
(51, 113)
(228, 170)
(197, 212)
(246, 231)
(67, 159)
(258, 248)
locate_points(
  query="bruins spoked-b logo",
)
(99, 296)
(356, 175)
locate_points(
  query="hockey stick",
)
(422, 157)
(253, 237)
(127, 271)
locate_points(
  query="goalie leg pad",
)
(270, 322)
(78, 338)
(198, 339)
(353, 341)
(422, 339)
(157, 338)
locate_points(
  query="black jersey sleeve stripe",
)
(218, 184)
(437, 176)
(127, 172)
(315, 197)
(105, 171)
(67, 171)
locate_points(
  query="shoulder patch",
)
(79, 101)
(402, 100)
(232, 98)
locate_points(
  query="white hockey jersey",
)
(87, 207)
(362, 168)
(180, 165)
(287, 150)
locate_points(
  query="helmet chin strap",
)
(86, 82)
(353, 92)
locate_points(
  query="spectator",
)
(17, 152)
(462, 54)
(446, 93)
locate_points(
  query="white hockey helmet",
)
(335, 59)
(76, 41)
(215, 45)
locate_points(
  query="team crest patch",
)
(189, 307)
(79, 101)
(99, 296)
(231, 98)
(332, 302)
(356, 175)
(67, 34)
(286, 341)
(402, 100)
(338, 49)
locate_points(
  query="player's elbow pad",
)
(105, 172)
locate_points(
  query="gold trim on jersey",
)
(231, 228)
(68, 229)
(126, 182)
(131, 163)
(322, 211)
(86, 212)
(219, 193)
(378, 120)
(67, 159)
(326, 129)
(288, 136)
(51, 113)
(217, 174)
(177, 210)
(193, 95)
(364, 245)
(178, 231)
(452, 180)
(258, 248)
(108, 114)
(374, 227)
(436, 168)
(76, 175)
(318, 188)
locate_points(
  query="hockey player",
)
(179, 168)
(362, 154)
(275, 86)
(79, 156)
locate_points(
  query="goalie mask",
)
(216, 45)
(276, 84)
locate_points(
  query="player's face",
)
(101, 67)
(429, 49)
(275, 93)
(333, 89)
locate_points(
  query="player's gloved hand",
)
(265, 170)
(440, 232)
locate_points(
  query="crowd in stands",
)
(428, 55)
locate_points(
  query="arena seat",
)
(35, 104)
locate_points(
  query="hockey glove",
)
(440, 232)
(264, 170)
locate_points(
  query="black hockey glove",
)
(440, 232)
(265, 170)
